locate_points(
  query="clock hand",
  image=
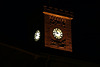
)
(56, 32)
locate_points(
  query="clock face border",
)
(51, 32)
(57, 31)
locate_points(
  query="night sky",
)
(85, 25)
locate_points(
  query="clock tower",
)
(57, 28)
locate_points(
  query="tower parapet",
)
(58, 11)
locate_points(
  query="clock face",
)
(57, 33)
(37, 35)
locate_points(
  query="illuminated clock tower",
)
(57, 28)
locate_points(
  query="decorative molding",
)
(51, 14)
(58, 11)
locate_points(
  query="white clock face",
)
(37, 35)
(57, 33)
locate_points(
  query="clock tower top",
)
(57, 11)
(57, 23)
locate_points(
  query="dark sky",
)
(85, 25)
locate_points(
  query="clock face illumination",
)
(57, 33)
(37, 35)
